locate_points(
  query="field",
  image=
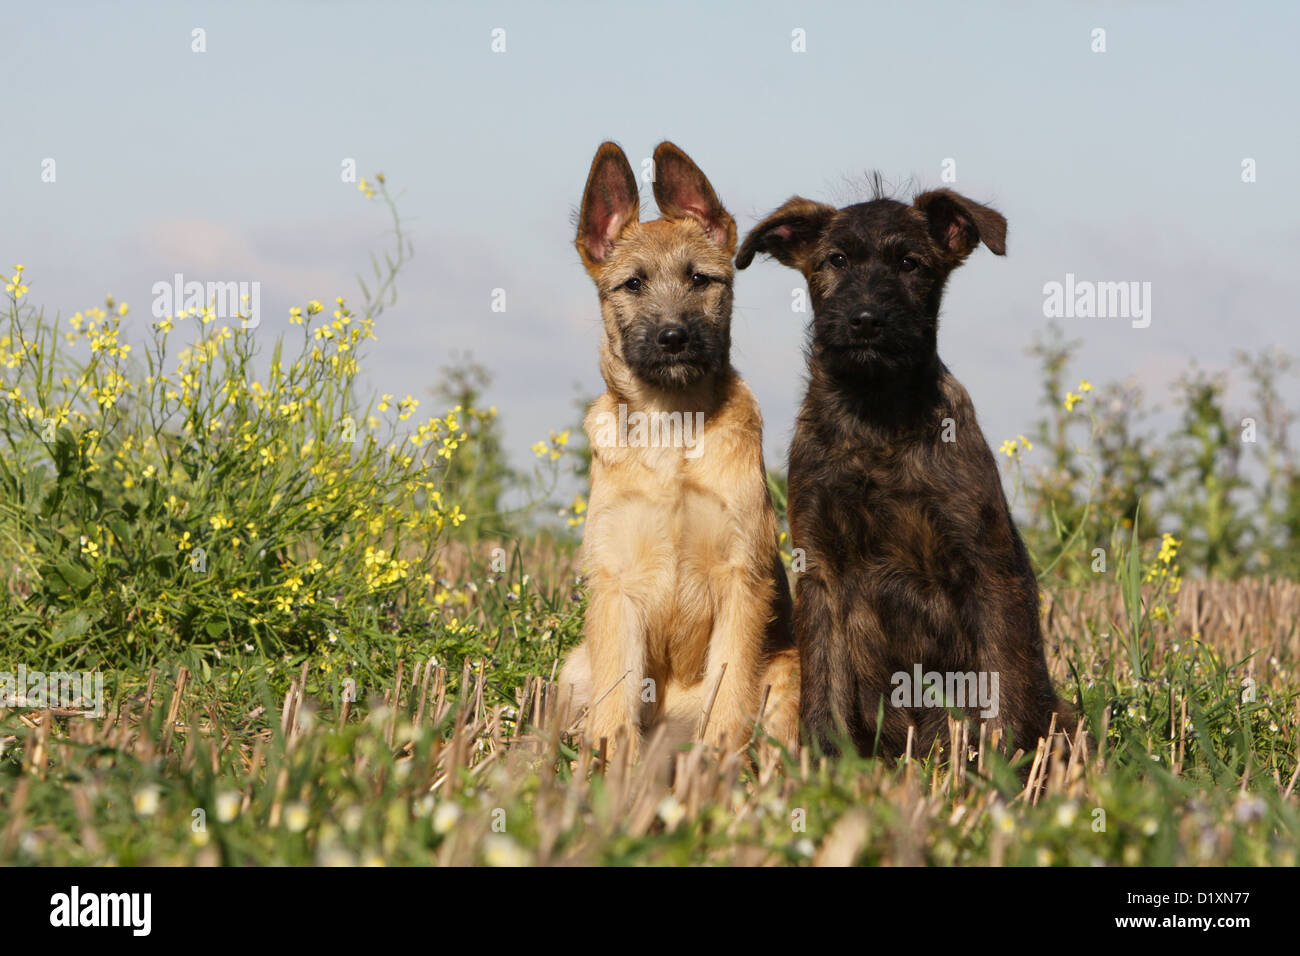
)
(324, 641)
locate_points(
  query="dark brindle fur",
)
(911, 553)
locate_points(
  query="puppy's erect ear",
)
(959, 224)
(789, 235)
(610, 202)
(682, 191)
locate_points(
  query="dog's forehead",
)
(662, 242)
(867, 221)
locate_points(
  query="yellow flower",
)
(1071, 400)
(1008, 448)
(15, 285)
(578, 508)
(1025, 443)
(1085, 385)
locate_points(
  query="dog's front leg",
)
(616, 640)
(734, 658)
(1015, 690)
(814, 626)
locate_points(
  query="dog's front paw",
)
(618, 735)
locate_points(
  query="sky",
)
(1115, 165)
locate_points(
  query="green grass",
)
(445, 764)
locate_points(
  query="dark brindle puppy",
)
(911, 554)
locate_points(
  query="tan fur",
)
(680, 552)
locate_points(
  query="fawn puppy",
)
(914, 571)
(688, 620)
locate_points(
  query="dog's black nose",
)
(673, 338)
(863, 324)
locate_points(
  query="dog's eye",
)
(909, 264)
(838, 260)
(632, 285)
(699, 280)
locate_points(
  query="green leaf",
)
(70, 625)
(74, 577)
(121, 530)
(1204, 738)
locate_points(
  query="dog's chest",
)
(667, 501)
(661, 527)
(883, 517)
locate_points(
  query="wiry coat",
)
(687, 590)
(911, 558)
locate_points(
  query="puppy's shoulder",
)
(954, 393)
(600, 423)
(604, 405)
(733, 443)
(739, 408)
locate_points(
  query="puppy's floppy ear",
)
(610, 202)
(789, 235)
(682, 191)
(959, 224)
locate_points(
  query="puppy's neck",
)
(889, 402)
(625, 388)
